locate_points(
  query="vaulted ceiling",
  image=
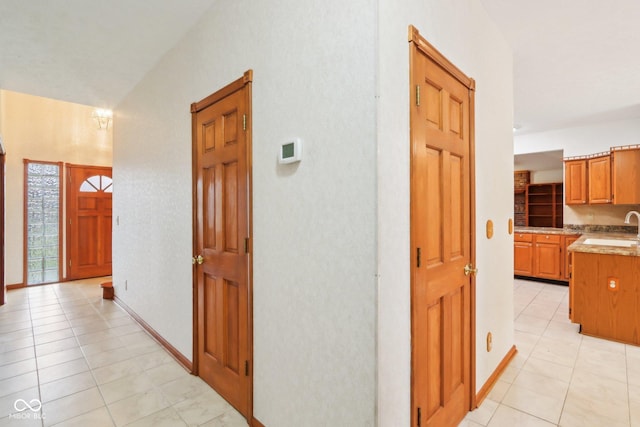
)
(575, 61)
(86, 51)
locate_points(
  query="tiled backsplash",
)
(594, 228)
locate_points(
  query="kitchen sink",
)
(611, 242)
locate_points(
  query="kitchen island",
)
(604, 289)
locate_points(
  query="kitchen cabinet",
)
(599, 181)
(588, 180)
(568, 261)
(547, 255)
(604, 178)
(625, 167)
(544, 205)
(523, 254)
(575, 182)
(542, 256)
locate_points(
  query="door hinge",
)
(246, 368)
(419, 417)
(69, 221)
(418, 95)
(246, 245)
(418, 253)
(244, 122)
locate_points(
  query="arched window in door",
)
(96, 183)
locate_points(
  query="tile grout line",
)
(35, 358)
(84, 356)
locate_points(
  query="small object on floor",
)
(107, 290)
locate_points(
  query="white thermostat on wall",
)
(290, 151)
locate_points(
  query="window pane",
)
(86, 187)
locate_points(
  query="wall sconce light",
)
(102, 117)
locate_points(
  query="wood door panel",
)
(222, 223)
(88, 248)
(456, 225)
(456, 118)
(209, 199)
(441, 238)
(230, 185)
(431, 204)
(210, 311)
(434, 358)
(230, 128)
(433, 112)
(87, 203)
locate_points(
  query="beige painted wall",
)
(42, 129)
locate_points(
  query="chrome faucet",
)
(628, 217)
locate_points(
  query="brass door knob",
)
(468, 269)
(199, 259)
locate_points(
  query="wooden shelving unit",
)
(544, 205)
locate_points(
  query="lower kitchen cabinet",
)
(543, 256)
(523, 254)
(547, 254)
(568, 258)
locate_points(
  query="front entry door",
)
(441, 236)
(89, 207)
(222, 170)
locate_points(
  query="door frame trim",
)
(416, 39)
(245, 80)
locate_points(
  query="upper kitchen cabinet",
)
(626, 175)
(599, 182)
(575, 181)
(604, 178)
(587, 179)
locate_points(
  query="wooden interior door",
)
(222, 172)
(441, 237)
(89, 221)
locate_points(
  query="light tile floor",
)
(559, 377)
(90, 364)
